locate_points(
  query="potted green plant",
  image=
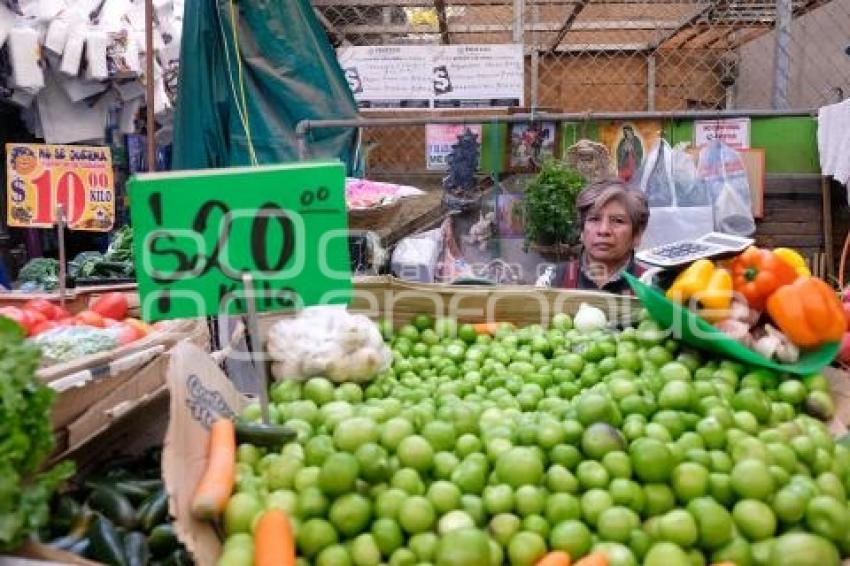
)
(551, 220)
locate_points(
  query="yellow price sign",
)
(39, 177)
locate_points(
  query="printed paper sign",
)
(40, 177)
(733, 132)
(439, 139)
(434, 76)
(196, 233)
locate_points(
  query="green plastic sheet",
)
(697, 332)
(289, 72)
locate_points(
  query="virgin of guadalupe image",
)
(629, 154)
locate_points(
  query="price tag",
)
(196, 233)
(40, 177)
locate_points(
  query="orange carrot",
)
(595, 559)
(216, 484)
(555, 558)
(490, 328)
(274, 543)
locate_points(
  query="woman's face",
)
(608, 234)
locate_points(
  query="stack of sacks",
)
(72, 61)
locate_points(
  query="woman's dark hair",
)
(597, 195)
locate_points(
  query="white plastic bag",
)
(723, 176)
(678, 209)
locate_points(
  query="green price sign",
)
(197, 233)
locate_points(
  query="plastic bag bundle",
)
(723, 177)
(678, 207)
(24, 53)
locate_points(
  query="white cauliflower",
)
(327, 341)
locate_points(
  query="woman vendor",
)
(612, 218)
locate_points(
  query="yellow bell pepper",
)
(707, 285)
(794, 259)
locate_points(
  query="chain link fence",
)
(618, 55)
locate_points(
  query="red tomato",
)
(44, 327)
(89, 318)
(45, 307)
(34, 317)
(61, 313)
(126, 334)
(111, 305)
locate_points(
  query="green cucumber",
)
(153, 511)
(136, 549)
(162, 541)
(81, 548)
(105, 543)
(66, 513)
(270, 436)
(114, 506)
(132, 491)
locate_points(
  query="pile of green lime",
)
(479, 450)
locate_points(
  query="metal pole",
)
(256, 353)
(535, 57)
(149, 86)
(782, 54)
(826, 207)
(650, 82)
(519, 21)
(63, 258)
(305, 126)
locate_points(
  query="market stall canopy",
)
(250, 73)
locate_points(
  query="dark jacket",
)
(571, 275)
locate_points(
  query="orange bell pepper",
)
(757, 273)
(809, 312)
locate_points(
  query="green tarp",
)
(289, 72)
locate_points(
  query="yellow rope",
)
(243, 111)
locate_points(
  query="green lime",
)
(618, 464)
(526, 548)
(415, 452)
(827, 517)
(350, 514)
(416, 515)
(424, 545)
(440, 435)
(659, 499)
(333, 555)
(530, 500)
(388, 503)
(403, 557)
(318, 390)
(338, 474)
(592, 474)
(593, 503)
(689, 481)
(792, 391)
(679, 527)
(504, 526)
(651, 460)
(312, 502)
(616, 524)
(520, 466)
(666, 554)
(464, 547)
(600, 438)
(754, 519)
(572, 537)
(802, 549)
(444, 496)
(387, 535)
(713, 522)
(677, 395)
(789, 504)
(423, 321)
(615, 553)
(240, 512)
(408, 480)
(315, 535)
(498, 499)
(737, 551)
(351, 433)
(751, 479)
(394, 431)
(364, 551)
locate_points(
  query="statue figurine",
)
(481, 231)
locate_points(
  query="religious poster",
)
(628, 142)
